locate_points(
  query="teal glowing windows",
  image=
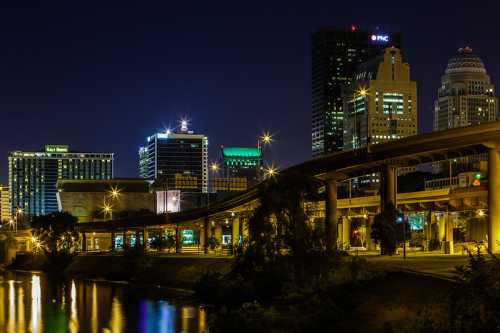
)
(393, 103)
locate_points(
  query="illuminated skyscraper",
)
(381, 102)
(242, 162)
(335, 56)
(466, 96)
(177, 159)
(4, 203)
(33, 175)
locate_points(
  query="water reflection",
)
(73, 321)
(11, 323)
(78, 306)
(36, 304)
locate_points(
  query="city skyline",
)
(133, 84)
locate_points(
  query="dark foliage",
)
(388, 231)
(473, 305)
(284, 279)
(475, 302)
(163, 243)
(55, 234)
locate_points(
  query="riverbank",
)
(174, 272)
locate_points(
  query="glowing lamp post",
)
(270, 171)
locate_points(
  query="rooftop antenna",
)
(184, 125)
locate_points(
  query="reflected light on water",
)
(117, 322)
(202, 319)
(187, 312)
(21, 325)
(167, 318)
(81, 306)
(73, 321)
(11, 321)
(2, 307)
(94, 308)
(36, 304)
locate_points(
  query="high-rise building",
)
(33, 175)
(381, 102)
(466, 96)
(177, 159)
(4, 203)
(335, 56)
(242, 162)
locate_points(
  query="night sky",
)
(102, 76)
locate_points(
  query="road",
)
(439, 265)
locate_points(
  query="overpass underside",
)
(441, 220)
(466, 215)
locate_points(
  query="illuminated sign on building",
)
(56, 148)
(380, 38)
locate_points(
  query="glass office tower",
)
(336, 53)
(177, 159)
(33, 175)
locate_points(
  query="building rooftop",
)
(465, 61)
(241, 152)
(137, 185)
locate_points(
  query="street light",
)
(214, 167)
(270, 171)
(107, 209)
(115, 192)
(361, 92)
(266, 138)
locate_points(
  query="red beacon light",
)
(353, 27)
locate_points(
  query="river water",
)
(31, 302)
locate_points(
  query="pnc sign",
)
(380, 38)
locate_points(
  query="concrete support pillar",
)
(218, 233)
(370, 244)
(177, 239)
(84, 242)
(442, 227)
(137, 238)
(449, 233)
(245, 231)
(346, 233)
(494, 200)
(236, 232)
(331, 213)
(339, 243)
(388, 186)
(428, 229)
(145, 238)
(113, 241)
(205, 235)
(126, 240)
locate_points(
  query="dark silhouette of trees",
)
(55, 234)
(386, 231)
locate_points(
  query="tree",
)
(281, 221)
(385, 229)
(55, 233)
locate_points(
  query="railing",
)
(441, 183)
